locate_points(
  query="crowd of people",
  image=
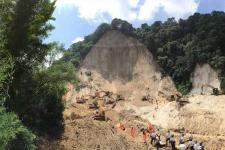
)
(184, 143)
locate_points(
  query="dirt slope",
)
(84, 133)
(122, 64)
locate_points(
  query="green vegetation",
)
(13, 133)
(177, 46)
(30, 93)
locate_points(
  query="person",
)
(149, 128)
(182, 141)
(157, 143)
(182, 146)
(153, 137)
(157, 132)
(201, 147)
(144, 135)
(168, 136)
(173, 142)
(191, 144)
(132, 131)
(190, 137)
(196, 145)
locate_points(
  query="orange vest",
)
(144, 136)
(150, 128)
(132, 131)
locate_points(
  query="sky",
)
(78, 18)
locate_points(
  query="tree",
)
(43, 111)
(25, 33)
(6, 61)
(123, 26)
(179, 46)
(56, 52)
(29, 95)
(14, 135)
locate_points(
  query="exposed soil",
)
(204, 79)
(140, 93)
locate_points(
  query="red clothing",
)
(132, 131)
(150, 128)
(144, 136)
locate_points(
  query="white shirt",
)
(168, 135)
(196, 146)
(153, 135)
(199, 148)
(182, 147)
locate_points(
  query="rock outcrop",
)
(204, 79)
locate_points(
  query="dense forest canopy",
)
(177, 46)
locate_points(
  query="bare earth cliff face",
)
(203, 79)
(122, 65)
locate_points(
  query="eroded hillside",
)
(121, 65)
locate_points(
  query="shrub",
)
(13, 135)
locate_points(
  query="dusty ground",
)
(199, 117)
(202, 117)
(84, 133)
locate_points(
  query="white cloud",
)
(173, 8)
(149, 9)
(78, 39)
(180, 8)
(133, 3)
(131, 10)
(97, 9)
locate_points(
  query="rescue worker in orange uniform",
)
(132, 131)
(150, 128)
(144, 135)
